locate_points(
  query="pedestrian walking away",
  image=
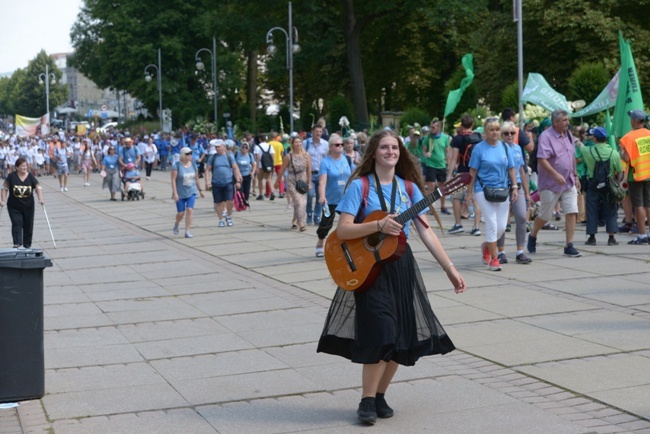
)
(391, 323)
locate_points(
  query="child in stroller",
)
(132, 186)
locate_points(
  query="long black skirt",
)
(391, 321)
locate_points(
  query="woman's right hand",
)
(322, 200)
(175, 197)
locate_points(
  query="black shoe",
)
(260, 197)
(612, 241)
(591, 241)
(272, 196)
(367, 411)
(383, 410)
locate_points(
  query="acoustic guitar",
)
(355, 264)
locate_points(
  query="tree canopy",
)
(381, 55)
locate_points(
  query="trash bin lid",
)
(24, 258)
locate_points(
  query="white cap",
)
(216, 142)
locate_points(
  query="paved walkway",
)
(154, 333)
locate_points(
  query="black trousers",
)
(148, 167)
(22, 225)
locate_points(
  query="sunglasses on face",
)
(508, 133)
(338, 145)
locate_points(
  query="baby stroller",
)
(132, 189)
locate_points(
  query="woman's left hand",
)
(201, 193)
(514, 194)
(456, 279)
(41, 201)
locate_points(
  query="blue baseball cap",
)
(599, 132)
(638, 115)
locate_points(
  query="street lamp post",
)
(292, 47)
(147, 78)
(47, 77)
(200, 67)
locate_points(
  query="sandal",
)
(551, 227)
(294, 226)
(303, 228)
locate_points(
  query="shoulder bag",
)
(301, 186)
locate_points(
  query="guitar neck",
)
(416, 209)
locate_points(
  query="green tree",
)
(25, 90)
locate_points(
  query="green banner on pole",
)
(539, 92)
(629, 91)
(455, 95)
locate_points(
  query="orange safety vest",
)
(637, 146)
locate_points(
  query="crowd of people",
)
(546, 167)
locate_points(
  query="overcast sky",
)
(31, 25)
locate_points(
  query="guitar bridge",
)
(348, 257)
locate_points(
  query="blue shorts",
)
(223, 193)
(188, 202)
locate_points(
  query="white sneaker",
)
(61, 189)
(65, 188)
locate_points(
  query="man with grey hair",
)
(557, 180)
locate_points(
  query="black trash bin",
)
(22, 367)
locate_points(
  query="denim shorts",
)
(223, 193)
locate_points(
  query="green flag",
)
(629, 92)
(539, 92)
(605, 100)
(454, 96)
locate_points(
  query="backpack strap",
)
(365, 190)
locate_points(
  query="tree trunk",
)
(352, 35)
(251, 85)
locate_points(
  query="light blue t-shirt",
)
(492, 164)
(518, 159)
(110, 161)
(338, 172)
(351, 200)
(245, 163)
(221, 166)
(132, 174)
(129, 155)
(185, 180)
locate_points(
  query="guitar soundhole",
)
(373, 241)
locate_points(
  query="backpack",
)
(240, 202)
(469, 140)
(266, 160)
(598, 181)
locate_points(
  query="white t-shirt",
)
(264, 147)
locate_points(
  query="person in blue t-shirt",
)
(492, 165)
(333, 175)
(221, 169)
(162, 143)
(247, 167)
(392, 322)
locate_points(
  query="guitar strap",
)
(393, 195)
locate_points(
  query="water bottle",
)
(470, 210)
(326, 210)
